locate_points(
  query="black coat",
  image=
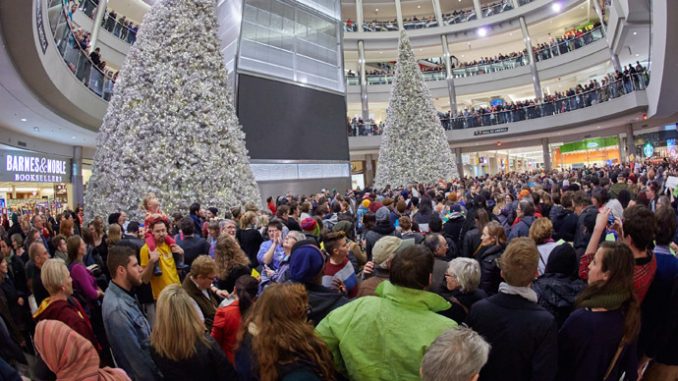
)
(193, 246)
(523, 336)
(490, 276)
(250, 240)
(564, 225)
(208, 363)
(471, 242)
(452, 229)
(557, 293)
(383, 228)
(461, 303)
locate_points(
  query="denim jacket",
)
(128, 332)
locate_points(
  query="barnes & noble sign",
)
(33, 168)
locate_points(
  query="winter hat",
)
(306, 262)
(562, 260)
(375, 206)
(382, 214)
(309, 224)
(387, 247)
(344, 226)
(387, 201)
(366, 203)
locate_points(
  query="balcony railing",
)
(554, 105)
(554, 49)
(123, 29)
(456, 17)
(69, 43)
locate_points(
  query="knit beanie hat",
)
(366, 203)
(310, 225)
(383, 214)
(562, 260)
(306, 262)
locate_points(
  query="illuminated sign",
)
(33, 168)
(648, 150)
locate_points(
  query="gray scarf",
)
(524, 292)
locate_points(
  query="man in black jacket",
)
(193, 245)
(523, 334)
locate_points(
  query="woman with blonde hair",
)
(249, 237)
(114, 234)
(179, 346)
(232, 263)
(541, 232)
(276, 342)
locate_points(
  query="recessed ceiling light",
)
(482, 32)
(376, 10)
(73, 137)
(637, 55)
(36, 129)
(23, 119)
(418, 6)
(381, 52)
(556, 7)
(635, 33)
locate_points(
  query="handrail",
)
(554, 105)
(429, 21)
(112, 25)
(465, 70)
(75, 55)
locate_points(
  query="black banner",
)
(490, 131)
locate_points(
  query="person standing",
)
(126, 326)
(162, 257)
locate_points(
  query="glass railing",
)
(567, 44)
(71, 44)
(456, 17)
(548, 51)
(117, 25)
(553, 105)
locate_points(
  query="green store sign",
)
(590, 144)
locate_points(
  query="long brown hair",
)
(228, 255)
(618, 263)
(281, 333)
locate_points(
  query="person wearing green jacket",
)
(385, 337)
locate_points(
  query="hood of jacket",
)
(412, 298)
(558, 290)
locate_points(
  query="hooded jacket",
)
(395, 316)
(557, 293)
(322, 301)
(564, 225)
(69, 312)
(521, 228)
(382, 228)
(490, 276)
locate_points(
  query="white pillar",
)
(399, 15)
(451, 90)
(76, 177)
(533, 62)
(363, 81)
(359, 15)
(478, 9)
(96, 27)
(547, 154)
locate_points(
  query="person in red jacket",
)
(229, 315)
(60, 305)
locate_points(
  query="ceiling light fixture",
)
(556, 7)
(482, 32)
(23, 119)
(36, 129)
(635, 33)
(418, 6)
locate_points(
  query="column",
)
(399, 14)
(613, 57)
(478, 9)
(547, 154)
(369, 171)
(451, 90)
(622, 149)
(96, 27)
(359, 16)
(460, 163)
(533, 62)
(630, 142)
(363, 81)
(438, 12)
(76, 177)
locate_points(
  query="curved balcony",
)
(51, 64)
(606, 101)
(557, 66)
(534, 11)
(515, 60)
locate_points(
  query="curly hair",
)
(281, 333)
(228, 255)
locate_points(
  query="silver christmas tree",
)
(171, 126)
(414, 147)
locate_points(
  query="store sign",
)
(33, 168)
(648, 150)
(490, 131)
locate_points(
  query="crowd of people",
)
(118, 25)
(565, 275)
(632, 78)
(73, 44)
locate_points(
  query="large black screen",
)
(287, 122)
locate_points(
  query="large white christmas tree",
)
(171, 126)
(414, 147)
